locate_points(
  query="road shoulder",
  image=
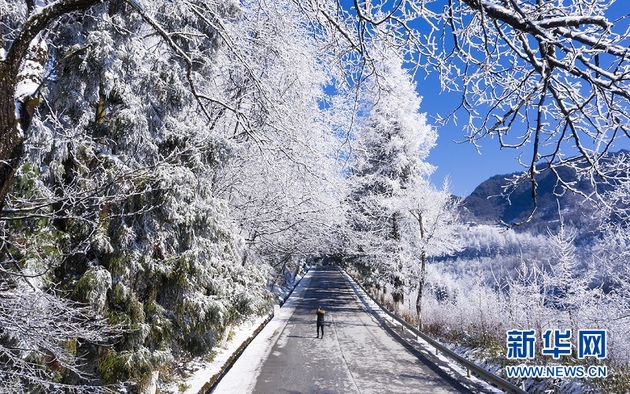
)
(242, 376)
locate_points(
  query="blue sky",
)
(460, 161)
(465, 166)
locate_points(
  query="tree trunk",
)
(11, 139)
(398, 296)
(423, 273)
(421, 282)
(11, 134)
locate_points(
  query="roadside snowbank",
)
(257, 330)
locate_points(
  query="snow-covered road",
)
(357, 354)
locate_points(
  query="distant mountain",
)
(489, 203)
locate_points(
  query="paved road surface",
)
(356, 355)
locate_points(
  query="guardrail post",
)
(468, 372)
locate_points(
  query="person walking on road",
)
(320, 320)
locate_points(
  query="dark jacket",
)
(320, 316)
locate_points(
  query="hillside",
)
(490, 203)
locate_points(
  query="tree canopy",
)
(162, 162)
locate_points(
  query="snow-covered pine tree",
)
(116, 202)
(389, 153)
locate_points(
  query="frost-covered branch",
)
(16, 50)
(543, 76)
(40, 328)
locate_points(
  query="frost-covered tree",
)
(611, 254)
(283, 183)
(388, 175)
(568, 281)
(117, 201)
(20, 66)
(38, 328)
(159, 144)
(435, 221)
(548, 78)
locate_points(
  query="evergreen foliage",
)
(166, 165)
(180, 152)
